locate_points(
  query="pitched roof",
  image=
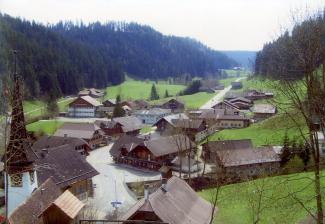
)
(77, 130)
(230, 144)
(172, 118)
(189, 123)
(69, 204)
(177, 204)
(91, 100)
(64, 164)
(153, 111)
(53, 141)
(264, 109)
(129, 123)
(29, 211)
(159, 146)
(241, 152)
(243, 99)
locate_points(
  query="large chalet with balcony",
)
(149, 153)
(83, 106)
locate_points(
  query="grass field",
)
(44, 127)
(267, 132)
(193, 101)
(38, 108)
(141, 89)
(235, 201)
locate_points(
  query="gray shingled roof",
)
(264, 109)
(129, 123)
(158, 146)
(77, 130)
(178, 204)
(64, 164)
(54, 141)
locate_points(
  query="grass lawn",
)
(141, 90)
(45, 127)
(146, 129)
(235, 201)
(270, 131)
(37, 108)
(193, 101)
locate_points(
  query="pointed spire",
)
(18, 152)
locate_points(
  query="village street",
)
(219, 96)
(110, 184)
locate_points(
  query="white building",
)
(83, 106)
(151, 116)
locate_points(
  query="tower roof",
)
(19, 154)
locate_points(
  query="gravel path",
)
(218, 97)
(110, 173)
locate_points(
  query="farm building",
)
(224, 118)
(166, 125)
(149, 153)
(89, 132)
(263, 111)
(68, 169)
(83, 106)
(236, 85)
(48, 204)
(151, 116)
(94, 93)
(238, 159)
(175, 105)
(175, 202)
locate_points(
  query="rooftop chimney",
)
(164, 185)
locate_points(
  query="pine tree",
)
(154, 95)
(52, 107)
(118, 110)
(286, 151)
(166, 93)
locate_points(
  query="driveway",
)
(110, 184)
(218, 97)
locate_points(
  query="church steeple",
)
(18, 154)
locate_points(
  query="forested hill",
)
(66, 57)
(245, 58)
(294, 53)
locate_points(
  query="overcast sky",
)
(220, 24)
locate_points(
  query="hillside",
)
(244, 58)
(64, 58)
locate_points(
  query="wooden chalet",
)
(263, 111)
(92, 92)
(46, 142)
(225, 105)
(48, 204)
(241, 103)
(89, 132)
(175, 202)
(83, 106)
(166, 125)
(258, 95)
(238, 160)
(119, 126)
(149, 153)
(224, 118)
(109, 103)
(69, 170)
(191, 127)
(175, 105)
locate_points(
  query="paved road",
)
(218, 97)
(110, 174)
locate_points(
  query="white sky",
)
(220, 24)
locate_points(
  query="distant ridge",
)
(245, 58)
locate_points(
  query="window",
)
(31, 176)
(16, 180)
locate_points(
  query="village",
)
(106, 168)
(168, 112)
